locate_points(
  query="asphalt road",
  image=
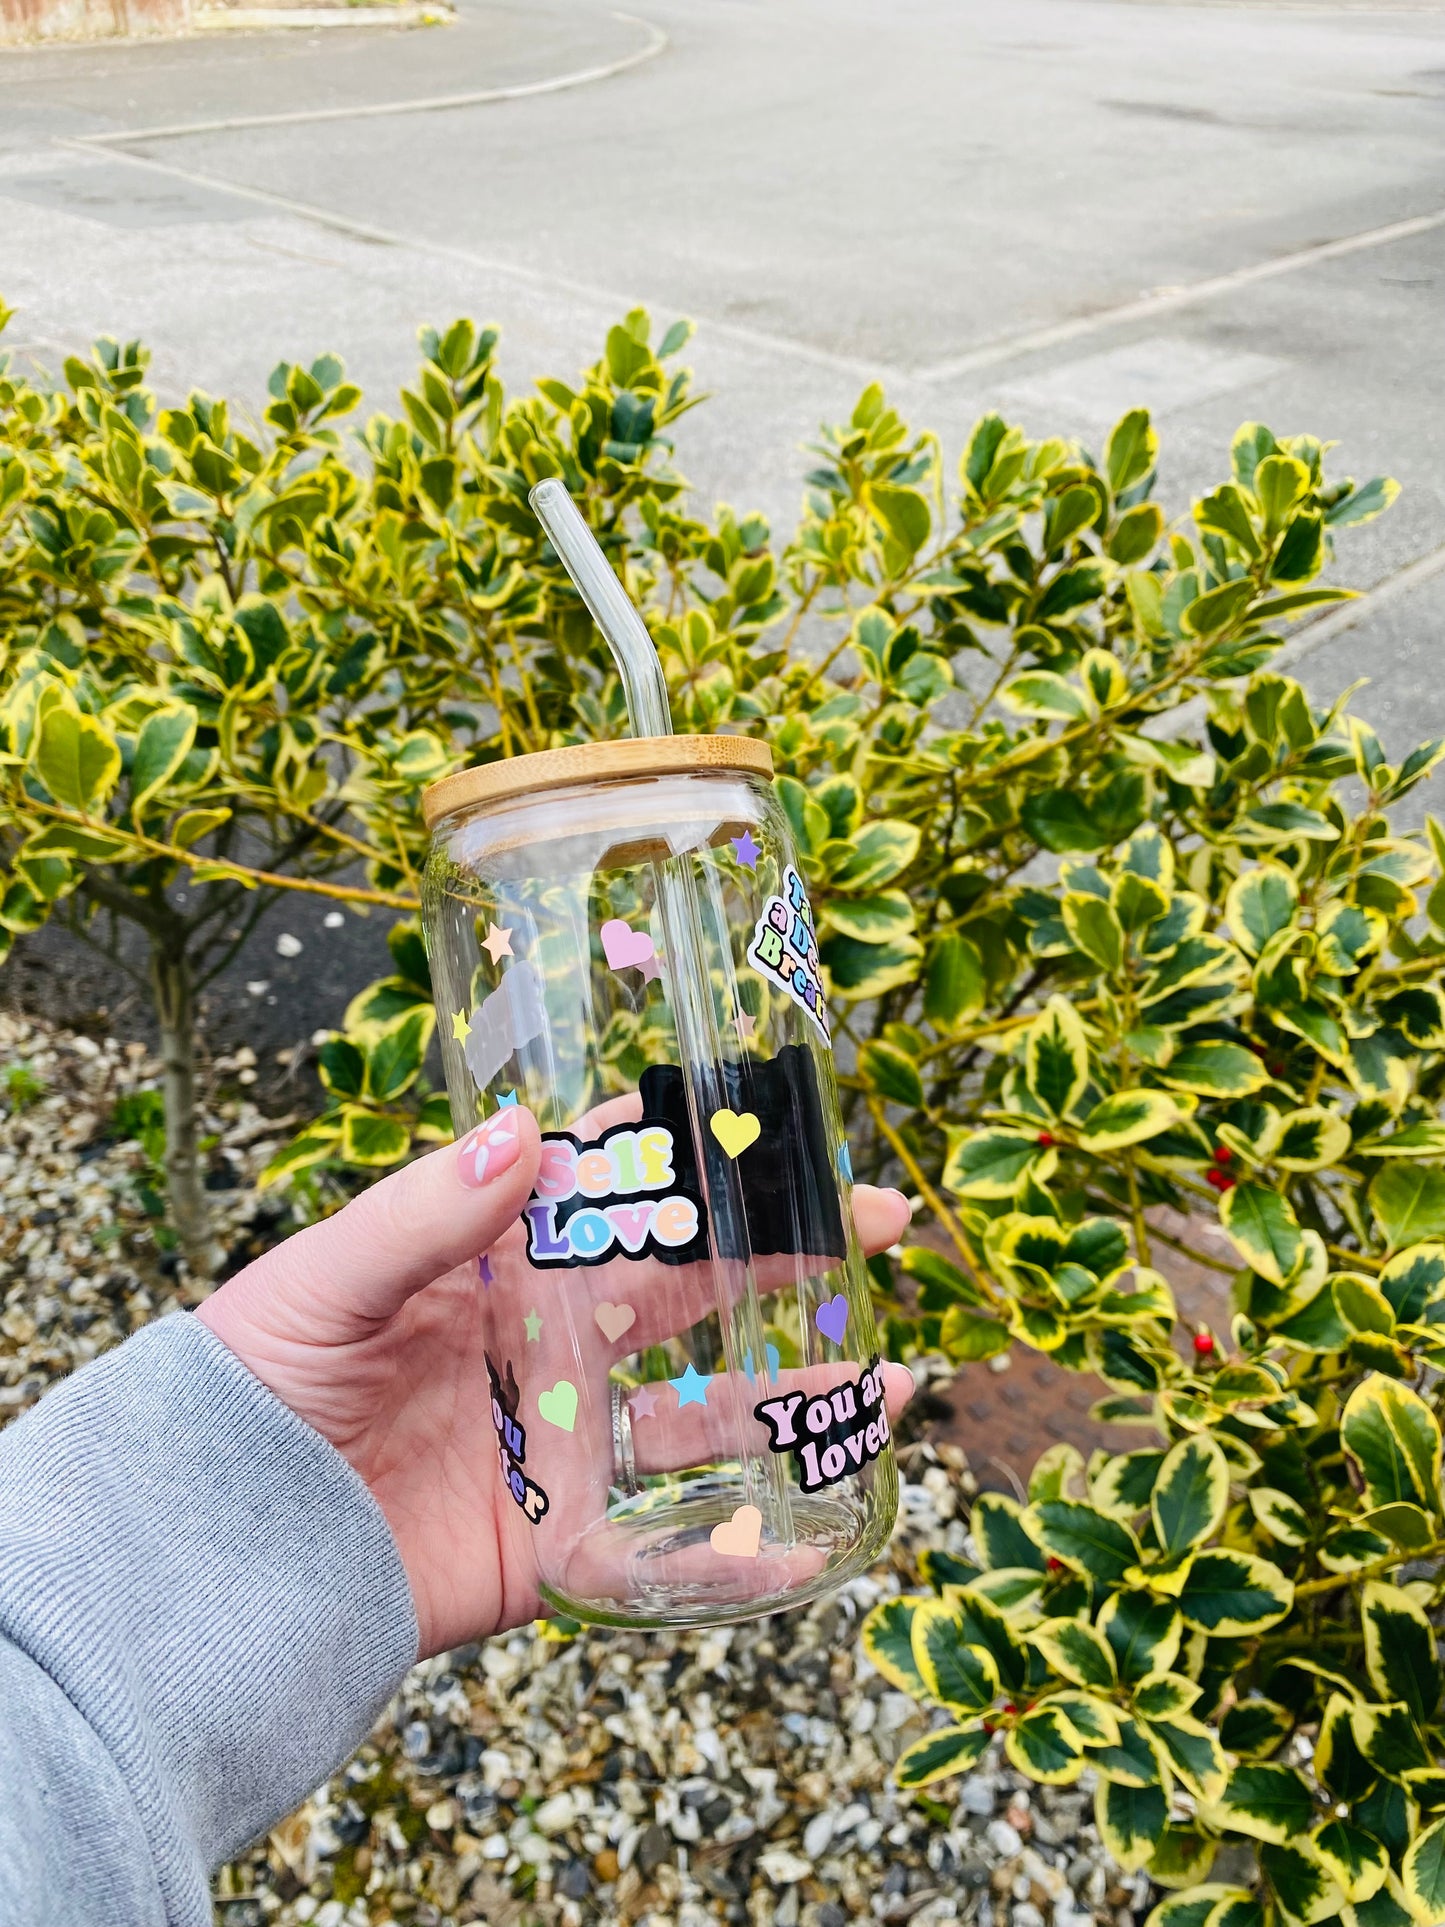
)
(1057, 207)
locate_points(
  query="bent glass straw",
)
(700, 1044)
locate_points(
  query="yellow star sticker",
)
(533, 1324)
(461, 1026)
(498, 942)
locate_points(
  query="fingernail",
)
(903, 1195)
(488, 1151)
(912, 1382)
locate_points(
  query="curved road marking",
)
(436, 103)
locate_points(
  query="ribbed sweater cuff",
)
(208, 1582)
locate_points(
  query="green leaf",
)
(1190, 1494)
(1229, 1593)
(905, 514)
(1413, 1280)
(862, 970)
(1423, 1875)
(1143, 1631)
(1128, 1117)
(940, 1282)
(1282, 1517)
(1215, 1068)
(1285, 823)
(1393, 1440)
(954, 983)
(313, 1146)
(970, 1335)
(1042, 693)
(77, 760)
(946, 1751)
(1267, 1802)
(1261, 902)
(371, 1140)
(1263, 1229)
(892, 1073)
(993, 1164)
(1408, 1201)
(1077, 1652)
(958, 1675)
(1000, 1535)
(1056, 1057)
(1355, 1859)
(872, 919)
(1310, 1138)
(882, 850)
(1131, 451)
(1215, 610)
(394, 1060)
(1194, 1754)
(1084, 1538)
(1060, 821)
(888, 1642)
(1255, 1728)
(1400, 1653)
(1045, 1745)
(163, 744)
(1094, 928)
(1302, 1885)
(1130, 1820)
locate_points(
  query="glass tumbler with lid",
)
(683, 1369)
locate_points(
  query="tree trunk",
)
(175, 1008)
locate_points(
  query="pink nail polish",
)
(487, 1152)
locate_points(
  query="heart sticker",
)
(735, 1131)
(740, 1536)
(559, 1406)
(774, 1360)
(832, 1318)
(625, 948)
(614, 1320)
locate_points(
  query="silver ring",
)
(624, 1454)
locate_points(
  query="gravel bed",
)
(737, 1775)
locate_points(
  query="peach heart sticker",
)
(559, 1406)
(735, 1130)
(614, 1320)
(740, 1536)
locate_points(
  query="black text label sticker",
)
(616, 1198)
(829, 1434)
(512, 1445)
(784, 949)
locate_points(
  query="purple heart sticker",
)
(832, 1318)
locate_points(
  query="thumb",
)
(336, 1280)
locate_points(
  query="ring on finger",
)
(624, 1453)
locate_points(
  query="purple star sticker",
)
(746, 850)
(484, 1269)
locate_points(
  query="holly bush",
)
(1123, 937)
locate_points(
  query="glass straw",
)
(700, 1043)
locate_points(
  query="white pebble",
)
(333, 919)
(288, 946)
(1003, 1839)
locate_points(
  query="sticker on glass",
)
(784, 949)
(619, 1197)
(512, 1443)
(829, 1434)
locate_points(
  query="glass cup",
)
(683, 1366)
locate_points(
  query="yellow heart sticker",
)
(735, 1131)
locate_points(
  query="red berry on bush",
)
(1044, 1138)
(1222, 1154)
(1275, 1070)
(1226, 1183)
(1055, 1565)
(1214, 1177)
(1204, 1343)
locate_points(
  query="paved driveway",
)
(1058, 207)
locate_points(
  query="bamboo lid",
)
(551, 769)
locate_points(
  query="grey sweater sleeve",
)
(202, 1613)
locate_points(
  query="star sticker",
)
(498, 942)
(746, 850)
(533, 1324)
(651, 968)
(845, 1164)
(643, 1403)
(747, 1023)
(691, 1388)
(461, 1026)
(506, 1100)
(484, 1269)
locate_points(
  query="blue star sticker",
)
(691, 1388)
(746, 850)
(845, 1164)
(506, 1100)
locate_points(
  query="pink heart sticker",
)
(740, 1536)
(832, 1318)
(614, 1320)
(623, 947)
